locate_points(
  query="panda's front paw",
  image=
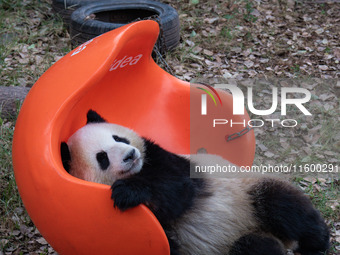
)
(127, 194)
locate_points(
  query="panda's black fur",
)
(256, 216)
(169, 193)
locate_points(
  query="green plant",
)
(248, 16)
(295, 69)
(227, 33)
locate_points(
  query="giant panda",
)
(249, 215)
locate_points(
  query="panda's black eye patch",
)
(103, 160)
(120, 139)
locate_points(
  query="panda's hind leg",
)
(286, 213)
(257, 244)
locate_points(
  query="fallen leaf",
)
(262, 147)
(269, 154)
(323, 67)
(325, 97)
(337, 53)
(248, 63)
(190, 43)
(211, 20)
(310, 179)
(208, 52)
(42, 241)
(236, 49)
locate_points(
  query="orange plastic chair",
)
(115, 75)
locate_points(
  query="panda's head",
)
(102, 152)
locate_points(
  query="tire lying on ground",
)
(65, 8)
(97, 18)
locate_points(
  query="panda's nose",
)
(129, 156)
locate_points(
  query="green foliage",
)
(248, 16)
(227, 33)
(321, 198)
(10, 5)
(295, 69)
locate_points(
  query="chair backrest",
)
(114, 75)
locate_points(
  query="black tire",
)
(65, 8)
(97, 18)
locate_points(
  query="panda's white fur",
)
(214, 224)
(219, 216)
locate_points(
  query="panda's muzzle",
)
(131, 162)
(130, 156)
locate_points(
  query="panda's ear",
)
(65, 156)
(94, 117)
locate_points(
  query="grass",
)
(29, 40)
(325, 197)
(9, 196)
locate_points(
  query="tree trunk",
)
(10, 100)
